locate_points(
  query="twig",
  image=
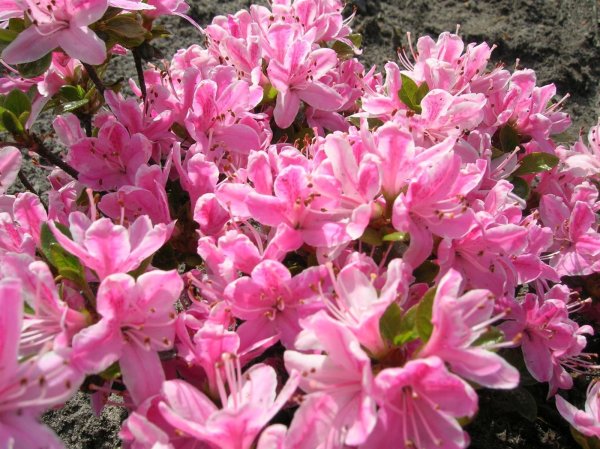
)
(94, 77)
(30, 187)
(39, 148)
(26, 183)
(137, 57)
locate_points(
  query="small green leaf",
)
(73, 105)
(23, 117)
(71, 93)
(491, 336)
(509, 139)
(112, 372)
(407, 330)
(16, 24)
(536, 163)
(426, 272)
(423, 323)
(17, 102)
(7, 36)
(372, 122)
(521, 188)
(35, 68)
(11, 123)
(269, 94)
(396, 237)
(66, 264)
(371, 237)
(411, 95)
(126, 30)
(389, 323)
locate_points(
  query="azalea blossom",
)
(59, 23)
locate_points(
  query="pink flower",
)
(138, 320)
(588, 421)
(107, 248)
(296, 70)
(341, 370)
(251, 403)
(10, 164)
(20, 223)
(435, 203)
(458, 321)
(360, 306)
(29, 387)
(272, 302)
(59, 23)
(551, 341)
(47, 319)
(419, 406)
(110, 160)
(575, 235)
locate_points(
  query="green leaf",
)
(72, 93)
(269, 94)
(411, 95)
(73, 105)
(491, 336)
(112, 372)
(396, 237)
(521, 188)
(66, 264)
(345, 51)
(390, 322)
(423, 323)
(11, 123)
(16, 24)
(23, 117)
(509, 139)
(407, 330)
(372, 122)
(126, 30)
(426, 272)
(536, 163)
(17, 102)
(371, 237)
(7, 36)
(35, 68)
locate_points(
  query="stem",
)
(140, 71)
(30, 187)
(91, 71)
(26, 183)
(39, 148)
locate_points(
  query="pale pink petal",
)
(10, 164)
(286, 108)
(86, 12)
(82, 44)
(29, 46)
(142, 372)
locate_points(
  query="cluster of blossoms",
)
(270, 246)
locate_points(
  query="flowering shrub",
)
(270, 246)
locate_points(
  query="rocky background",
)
(559, 39)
